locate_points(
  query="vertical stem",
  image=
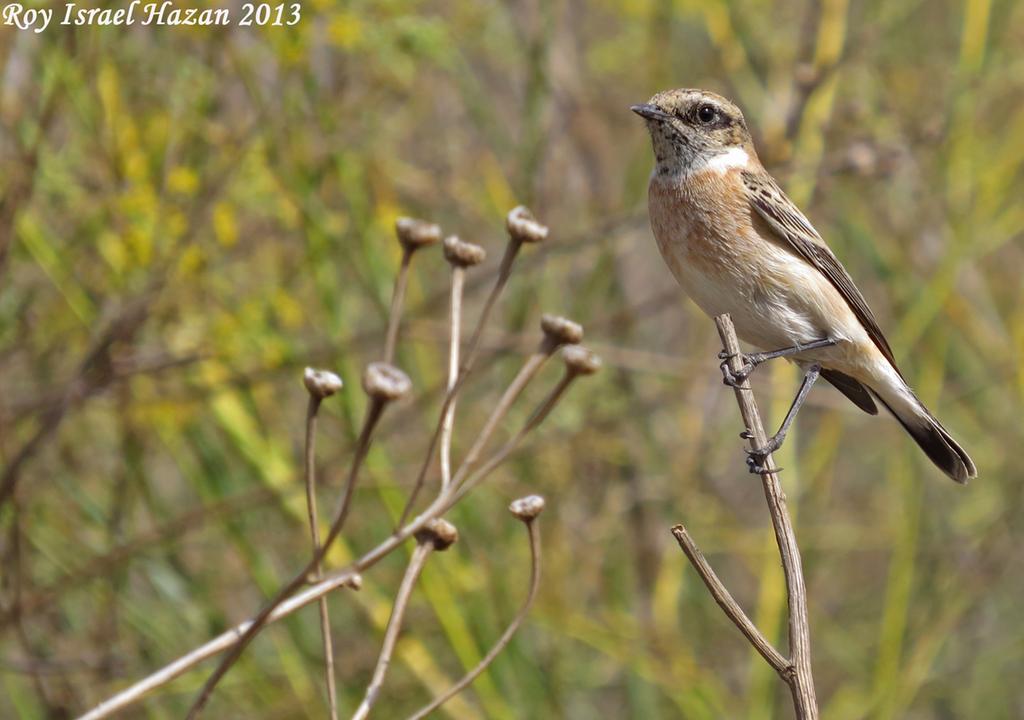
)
(455, 323)
(235, 639)
(801, 681)
(314, 531)
(504, 271)
(412, 573)
(397, 299)
(506, 637)
(526, 373)
(373, 414)
(465, 482)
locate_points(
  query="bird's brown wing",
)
(796, 231)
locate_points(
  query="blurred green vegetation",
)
(190, 216)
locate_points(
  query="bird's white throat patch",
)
(720, 164)
(734, 157)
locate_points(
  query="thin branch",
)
(349, 576)
(437, 535)
(511, 250)
(729, 606)
(412, 574)
(801, 680)
(533, 533)
(463, 486)
(383, 383)
(397, 299)
(579, 362)
(373, 415)
(504, 272)
(522, 228)
(130, 695)
(455, 324)
(314, 531)
(413, 234)
(558, 331)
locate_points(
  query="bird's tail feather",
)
(928, 432)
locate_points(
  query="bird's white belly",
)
(763, 315)
(774, 298)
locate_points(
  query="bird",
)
(737, 244)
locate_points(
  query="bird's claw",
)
(735, 378)
(757, 467)
(757, 456)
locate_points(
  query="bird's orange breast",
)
(703, 220)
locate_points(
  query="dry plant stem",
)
(515, 388)
(504, 272)
(314, 531)
(412, 573)
(506, 637)
(729, 606)
(461, 487)
(511, 250)
(397, 300)
(338, 578)
(455, 323)
(134, 693)
(373, 414)
(800, 678)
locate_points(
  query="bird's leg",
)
(756, 456)
(735, 378)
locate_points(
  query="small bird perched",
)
(737, 245)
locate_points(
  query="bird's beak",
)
(651, 112)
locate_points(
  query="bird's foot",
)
(756, 457)
(735, 378)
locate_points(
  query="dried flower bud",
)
(580, 360)
(321, 383)
(440, 532)
(463, 254)
(562, 331)
(527, 508)
(414, 234)
(522, 226)
(385, 382)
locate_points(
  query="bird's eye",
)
(706, 113)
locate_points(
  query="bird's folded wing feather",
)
(794, 230)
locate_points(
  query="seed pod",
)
(440, 532)
(385, 382)
(522, 226)
(463, 254)
(414, 234)
(580, 360)
(321, 383)
(527, 508)
(560, 330)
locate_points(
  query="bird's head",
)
(691, 129)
